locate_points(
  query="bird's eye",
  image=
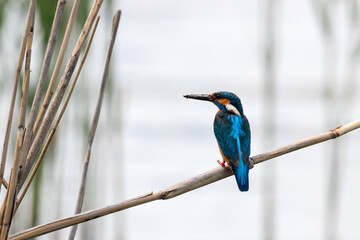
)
(217, 96)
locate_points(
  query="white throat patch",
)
(233, 109)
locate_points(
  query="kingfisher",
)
(232, 132)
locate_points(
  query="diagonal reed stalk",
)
(53, 130)
(7, 210)
(81, 193)
(54, 105)
(42, 80)
(193, 183)
(31, 12)
(59, 61)
(24, 92)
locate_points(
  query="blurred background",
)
(295, 66)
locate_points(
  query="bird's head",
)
(225, 101)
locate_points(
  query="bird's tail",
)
(242, 175)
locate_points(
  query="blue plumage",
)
(232, 132)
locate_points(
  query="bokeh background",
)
(295, 66)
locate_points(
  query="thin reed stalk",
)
(31, 12)
(59, 61)
(193, 183)
(25, 87)
(81, 193)
(41, 82)
(7, 210)
(53, 130)
(50, 114)
(23, 104)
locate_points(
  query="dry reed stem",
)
(53, 130)
(59, 61)
(24, 96)
(60, 91)
(31, 12)
(5, 184)
(201, 180)
(10, 198)
(41, 82)
(23, 105)
(81, 193)
(26, 80)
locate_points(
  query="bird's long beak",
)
(205, 97)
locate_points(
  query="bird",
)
(232, 132)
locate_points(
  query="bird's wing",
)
(227, 132)
(245, 139)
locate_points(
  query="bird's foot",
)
(252, 163)
(222, 163)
